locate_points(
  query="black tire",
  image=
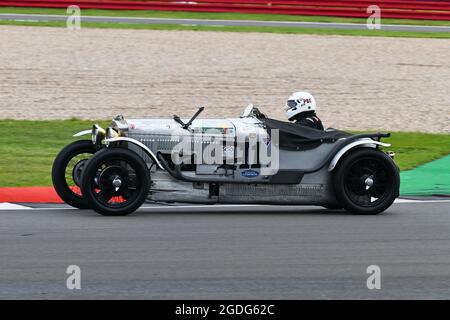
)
(101, 172)
(69, 191)
(366, 182)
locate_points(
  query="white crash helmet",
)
(299, 102)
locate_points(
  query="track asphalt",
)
(224, 252)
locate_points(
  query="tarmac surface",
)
(209, 22)
(226, 252)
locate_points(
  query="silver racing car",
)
(252, 159)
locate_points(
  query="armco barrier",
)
(430, 10)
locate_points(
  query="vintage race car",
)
(252, 159)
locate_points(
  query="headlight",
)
(98, 134)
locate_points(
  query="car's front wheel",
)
(366, 181)
(67, 171)
(116, 182)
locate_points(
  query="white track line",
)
(12, 206)
(419, 201)
(268, 205)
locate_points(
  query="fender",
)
(139, 144)
(366, 142)
(82, 133)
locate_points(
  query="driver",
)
(301, 108)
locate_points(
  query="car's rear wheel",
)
(366, 181)
(67, 171)
(116, 182)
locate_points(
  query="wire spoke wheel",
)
(67, 171)
(74, 171)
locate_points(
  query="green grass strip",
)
(286, 30)
(28, 148)
(415, 148)
(218, 15)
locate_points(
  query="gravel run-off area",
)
(374, 83)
